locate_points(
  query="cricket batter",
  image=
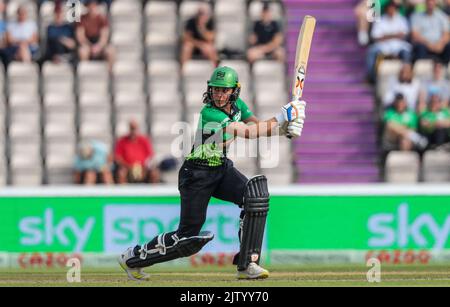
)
(207, 172)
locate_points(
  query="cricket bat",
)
(301, 57)
(302, 54)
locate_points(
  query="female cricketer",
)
(207, 172)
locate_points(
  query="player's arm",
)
(253, 130)
(293, 114)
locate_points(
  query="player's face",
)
(221, 96)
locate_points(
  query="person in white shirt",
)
(22, 37)
(389, 35)
(406, 85)
(430, 33)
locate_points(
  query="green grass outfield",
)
(290, 276)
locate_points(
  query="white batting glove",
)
(293, 110)
(295, 128)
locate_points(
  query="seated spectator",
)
(133, 156)
(61, 42)
(430, 33)
(401, 126)
(92, 35)
(408, 86)
(198, 37)
(22, 37)
(439, 84)
(3, 41)
(435, 122)
(367, 11)
(266, 39)
(389, 35)
(92, 164)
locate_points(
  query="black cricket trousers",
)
(197, 184)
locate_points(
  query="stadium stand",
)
(46, 109)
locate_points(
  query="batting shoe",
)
(136, 274)
(253, 271)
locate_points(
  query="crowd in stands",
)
(131, 162)
(415, 111)
(131, 159)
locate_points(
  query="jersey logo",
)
(237, 117)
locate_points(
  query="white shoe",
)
(136, 274)
(253, 271)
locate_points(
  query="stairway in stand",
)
(338, 144)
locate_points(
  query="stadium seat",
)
(388, 71)
(128, 77)
(255, 9)
(125, 10)
(436, 166)
(58, 78)
(25, 122)
(93, 77)
(402, 167)
(11, 9)
(26, 163)
(23, 78)
(161, 11)
(160, 46)
(423, 69)
(266, 70)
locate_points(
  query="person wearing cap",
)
(92, 164)
(266, 39)
(389, 36)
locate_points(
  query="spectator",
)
(364, 16)
(133, 155)
(406, 85)
(61, 42)
(3, 41)
(266, 39)
(401, 126)
(389, 35)
(198, 37)
(430, 33)
(92, 35)
(439, 84)
(22, 37)
(92, 164)
(435, 122)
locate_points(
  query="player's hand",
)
(295, 128)
(293, 110)
(292, 129)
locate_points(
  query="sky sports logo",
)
(123, 226)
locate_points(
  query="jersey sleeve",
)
(245, 111)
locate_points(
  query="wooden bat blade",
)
(302, 54)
